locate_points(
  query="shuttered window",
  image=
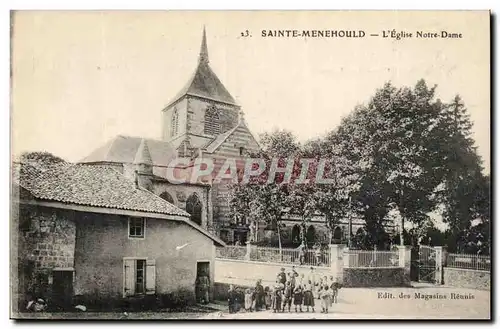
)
(139, 277)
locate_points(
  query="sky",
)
(81, 78)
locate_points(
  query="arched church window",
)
(167, 197)
(311, 235)
(174, 123)
(193, 207)
(212, 121)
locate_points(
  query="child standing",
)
(267, 298)
(277, 294)
(297, 297)
(308, 296)
(287, 301)
(248, 300)
(326, 296)
(335, 291)
(231, 299)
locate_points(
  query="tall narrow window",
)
(212, 121)
(174, 123)
(193, 207)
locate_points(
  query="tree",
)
(267, 198)
(465, 190)
(45, 158)
(405, 145)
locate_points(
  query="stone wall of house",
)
(48, 236)
(465, 278)
(45, 241)
(103, 242)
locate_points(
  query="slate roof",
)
(204, 82)
(96, 185)
(123, 149)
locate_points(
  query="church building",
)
(203, 120)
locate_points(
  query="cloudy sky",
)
(80, 78)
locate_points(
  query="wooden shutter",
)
(128, 277)
(150, 276)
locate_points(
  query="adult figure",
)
(302, 253)
(292, 279)
(203, 288)
(317, 254)
(312, 278)
(259, 295)
(301, 280)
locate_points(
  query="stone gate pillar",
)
(337, 261)
(440, 262)
(249, 250)
(405, 262)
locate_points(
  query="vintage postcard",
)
(250, 165)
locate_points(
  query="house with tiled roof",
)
(203, 120)
(92, 234)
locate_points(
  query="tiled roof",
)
(123, 149)
(98, 186)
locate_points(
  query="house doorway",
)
(62, 289)
(203, 282)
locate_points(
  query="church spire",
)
(204, 49)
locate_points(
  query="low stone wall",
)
(465, 278)
(248, 272)
(375, 277)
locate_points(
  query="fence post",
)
(440, 262)
(345, 255)
(336, 260)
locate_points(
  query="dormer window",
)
(212, 121)
(174, 123)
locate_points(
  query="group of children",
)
(287, 291)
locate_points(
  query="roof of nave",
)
(125, 149)
(204, 82)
